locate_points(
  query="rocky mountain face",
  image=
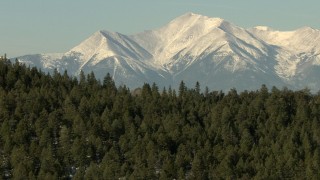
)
(212, 51)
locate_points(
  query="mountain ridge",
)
(194, 48)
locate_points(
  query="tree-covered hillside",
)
(60, 127)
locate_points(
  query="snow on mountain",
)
(180, 33)
(299, 52)
(300, 40)
(44, 61)
(193, 48)
(108, 52)
(191, 37)
(104, 44)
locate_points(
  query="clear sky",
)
(47, 26)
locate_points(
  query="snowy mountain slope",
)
(298, 48)
(305, 39)
(193, 48)
(180, 33)
(192, 37)
(104, 44)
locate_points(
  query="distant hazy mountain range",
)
(194, 48)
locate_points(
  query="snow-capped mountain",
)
(193, 48)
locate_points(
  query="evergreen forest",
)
(54, 126)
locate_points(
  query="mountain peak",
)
(192, 20)
(193, 16)
(110, 33)
(263, 28)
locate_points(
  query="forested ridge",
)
(60, 127)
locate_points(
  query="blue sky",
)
(46, 26)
